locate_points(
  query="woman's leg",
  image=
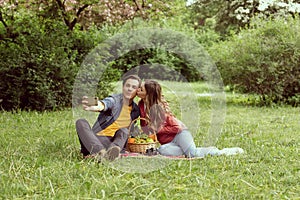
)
(183, 144)
(89, 142)
(170, 149)
(186, 142)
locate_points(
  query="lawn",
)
(40, 159)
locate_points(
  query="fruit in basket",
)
(131, 140)
(143, 136)
(153, 137)
(141, 139)
(149, 140)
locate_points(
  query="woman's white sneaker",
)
(231, 151)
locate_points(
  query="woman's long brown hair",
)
(156, 106)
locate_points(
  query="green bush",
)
(38, 67)
(164, 35)
(263, 59)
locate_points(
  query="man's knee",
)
(124, 132)
(80, 122)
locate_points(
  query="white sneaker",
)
(231, 151)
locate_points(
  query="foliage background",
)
(263, 60)
(43, 44)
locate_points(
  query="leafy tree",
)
(232, 15)
(263, 60)
(39, 60)
(94, 12)
(43, 44)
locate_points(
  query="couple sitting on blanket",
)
(108, 137)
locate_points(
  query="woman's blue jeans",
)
(183, 144)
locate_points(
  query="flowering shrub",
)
(229, 15)
(264, 59)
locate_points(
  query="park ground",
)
(40, 159)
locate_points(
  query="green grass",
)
(40, 159)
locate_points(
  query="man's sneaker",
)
(100, 156)
(112, 153)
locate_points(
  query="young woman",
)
(172, 134)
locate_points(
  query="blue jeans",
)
(183, 144)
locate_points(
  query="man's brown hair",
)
(132, 76)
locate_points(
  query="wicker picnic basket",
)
(141, 147)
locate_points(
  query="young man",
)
(110, 132)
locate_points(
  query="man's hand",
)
(86, 107)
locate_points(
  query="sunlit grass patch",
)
(40, 159)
